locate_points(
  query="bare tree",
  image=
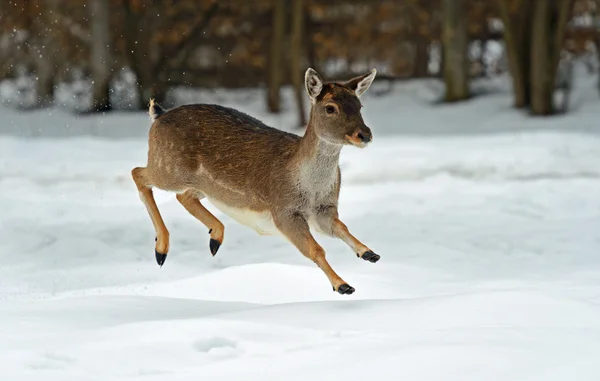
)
(100, 54)
(150, 61)
(454, 42)
(534, 33)
(548, 34)
(597, 45)
(297, 57)
(42, 50)
(515, 18)
(275, 71)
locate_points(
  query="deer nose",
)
(364, 135)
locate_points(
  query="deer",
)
(272, 181)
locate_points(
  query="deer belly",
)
(262, 222)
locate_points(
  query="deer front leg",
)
(329, 224)
(295, 228)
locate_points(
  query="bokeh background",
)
(116, 54)
(480, 191)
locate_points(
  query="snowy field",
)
(487, 222)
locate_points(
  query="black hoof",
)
(160, 258)
(214, 246)
(370, 256)
(346, 289)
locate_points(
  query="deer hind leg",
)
(140, 177)
(296, 229)
(191, 202)
(329, 224)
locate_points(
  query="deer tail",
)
(155, 110)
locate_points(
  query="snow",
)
(487, 221)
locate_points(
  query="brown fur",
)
(239, 163)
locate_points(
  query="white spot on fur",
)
(229, 188)
(201, 171)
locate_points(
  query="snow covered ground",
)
(488, 224)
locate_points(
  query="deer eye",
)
(329, 109)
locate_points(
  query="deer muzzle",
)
(361, 137)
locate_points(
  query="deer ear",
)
(362, 83)
(313, 83)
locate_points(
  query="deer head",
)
(335, 112)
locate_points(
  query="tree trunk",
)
(559, 29)
(548, 34)
(275, 70)
(421, 69)
(597, 42)
(311, 53)
(454, 42)
(534, 35)
(482, 55)
(141, 55)
(44, 84)
(542, 84)
(41, 47)
(297, 57)
(100, 54)
(517, 43)
(149, 87)
(440, 73)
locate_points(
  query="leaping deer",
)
(267, 179)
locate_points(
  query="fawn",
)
(267, 179)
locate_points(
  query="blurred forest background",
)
(119, 53)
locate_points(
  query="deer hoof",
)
(345, 289)
(370, 256)
(214, 246)
(160, 258)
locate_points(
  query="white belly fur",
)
(262, 222)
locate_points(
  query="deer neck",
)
(317, 161)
